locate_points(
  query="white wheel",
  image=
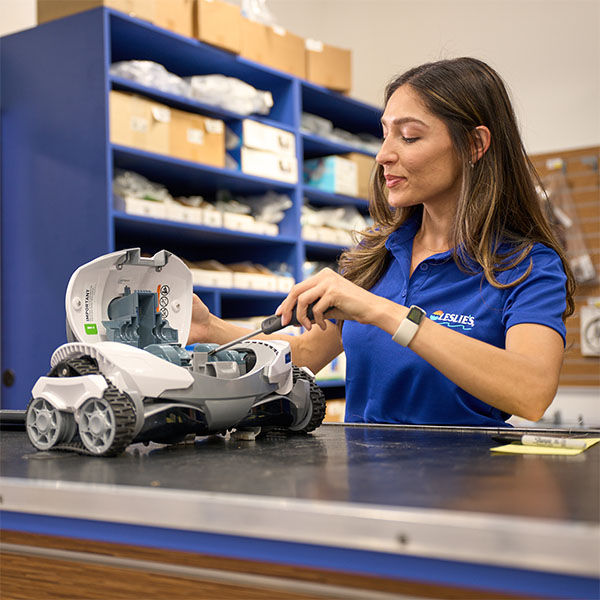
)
(97, 425)
(47, 426)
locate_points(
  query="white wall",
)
(548, 51)
(16, 15)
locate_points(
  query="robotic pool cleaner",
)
(124, 377)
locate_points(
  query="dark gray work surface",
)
(365, 465)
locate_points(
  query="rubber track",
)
(121, 404)
(317, 400)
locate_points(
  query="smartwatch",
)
(409, 326)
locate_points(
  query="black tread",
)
(317, 399)
(121, 404)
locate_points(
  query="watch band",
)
(409, 326)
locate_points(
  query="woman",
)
(459, 233)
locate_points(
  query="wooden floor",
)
(82, 570)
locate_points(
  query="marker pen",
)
(541, 440)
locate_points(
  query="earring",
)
(471, 164)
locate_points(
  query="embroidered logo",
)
(466, 322)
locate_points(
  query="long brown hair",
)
(498, 200)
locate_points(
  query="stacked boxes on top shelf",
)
(221, 24)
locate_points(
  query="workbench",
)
(348, 511)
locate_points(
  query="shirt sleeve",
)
(541, 298)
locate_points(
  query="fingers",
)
(314, 291)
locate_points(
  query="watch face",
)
(415, 314)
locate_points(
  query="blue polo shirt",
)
(388, 383)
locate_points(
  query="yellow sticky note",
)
(522, 449)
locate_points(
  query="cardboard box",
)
(254, 41)
(269, 165)
(365, 165)
(329, 66)
(219, 24)
(271, 139)
(274, 47)
(175, 15)
(197, 138)
(286, 52)
(332, 174)
(48, 10)
(139, 123)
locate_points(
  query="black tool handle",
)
(273, 324)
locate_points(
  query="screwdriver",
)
(270, 325)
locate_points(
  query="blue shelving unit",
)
(58, 163)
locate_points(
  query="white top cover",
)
(93, 285)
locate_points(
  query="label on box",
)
(139, 124)
(214, 126)
(212, 218)
(161, 114)
(195, 136)
(314, 45)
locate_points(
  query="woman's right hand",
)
(199, 328)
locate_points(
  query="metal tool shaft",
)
(234, 342)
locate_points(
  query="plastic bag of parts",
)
(567, 224)
(230, 93)
(325, 128)
(269, 207)
(225, 202)
(257, 10)
(151, 74)
(134, 185)
(344, 217)
(316, 125)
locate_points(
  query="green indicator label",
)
(91, 329)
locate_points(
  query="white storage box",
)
(255, 281)
(211, 217)
(206, 278)
(284, 284)
(184, 214)
(271, 229)
(269, 165)
(310, 233)
(270, 139)
(239, 222)
(327, 235)
(145, 208)
(343, 237)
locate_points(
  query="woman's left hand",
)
(333, 295)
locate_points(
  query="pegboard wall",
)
(573, 182)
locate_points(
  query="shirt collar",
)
(399, 242)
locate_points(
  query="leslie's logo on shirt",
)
(454, 320)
